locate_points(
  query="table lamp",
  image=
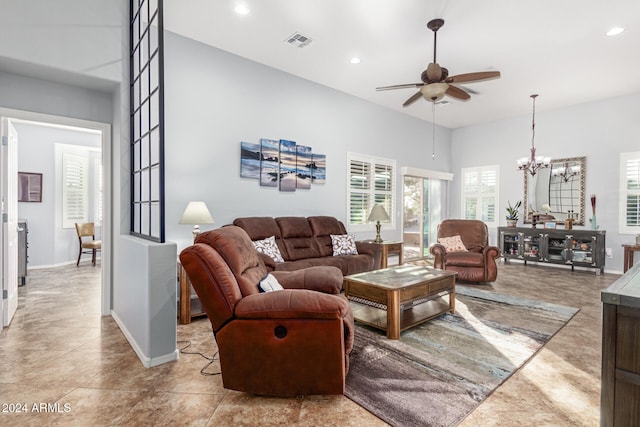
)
(196, 213)
(378, 214)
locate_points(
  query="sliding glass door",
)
(424, 205)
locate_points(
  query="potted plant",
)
(512, 217)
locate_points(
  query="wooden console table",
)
(629, 250)
(189, 304)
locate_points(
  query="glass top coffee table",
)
(398, 298)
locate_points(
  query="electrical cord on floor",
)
(210, 359)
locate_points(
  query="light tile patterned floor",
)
(59, 351)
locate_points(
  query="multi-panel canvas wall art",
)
(288, 175)
(319, 168)
(303, 167)
(283, 164)
(269, 164)
(250, 157)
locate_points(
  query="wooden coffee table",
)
(400, 297)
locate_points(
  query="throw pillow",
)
(268, 247)
(343, 244)
(452, 244)
(270, 284)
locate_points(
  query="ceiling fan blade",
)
(458, 93)
(404, 86)
(474, 77)
(413, 99)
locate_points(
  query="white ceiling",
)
(557, 48)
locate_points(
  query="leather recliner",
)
(478, 263)
(289, 342)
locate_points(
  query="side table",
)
(189, 304)
(391, 248)
(629, 250)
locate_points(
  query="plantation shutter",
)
(74, 189)
(383, 186)
(370, 182)
(98, 191)
(359, 172)
(480, 194)
(630, 200)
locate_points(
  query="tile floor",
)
(60, 352)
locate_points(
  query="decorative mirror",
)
(557, 191)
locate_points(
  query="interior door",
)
(9, 190)
(424, 204)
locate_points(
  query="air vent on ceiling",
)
(298, 40)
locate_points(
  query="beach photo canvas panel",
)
(303, 167)
(287, 165)
(249, 160)
(319, 168)
(269, 164)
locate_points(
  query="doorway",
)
(104, 131)
(424, 207)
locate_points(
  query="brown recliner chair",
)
(478, 263)
(289, 342)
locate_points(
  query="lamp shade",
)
(196, 213)
(378, 214)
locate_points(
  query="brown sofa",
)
(306, 242)
(287, 342)
(478, 263)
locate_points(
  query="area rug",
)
(440, 371)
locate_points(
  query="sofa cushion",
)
(259, 227)
(348, 264)
(268, 247)
(297, 238)
(323, 227)
(343, 244)
(465, 259)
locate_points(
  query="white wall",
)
(49, 243)
(215, 99)
(598, 130)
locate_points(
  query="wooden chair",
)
(88, 246)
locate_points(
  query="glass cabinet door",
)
(532, 246)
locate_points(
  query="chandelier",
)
(533, 163)
(566, 172)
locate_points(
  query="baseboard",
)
(59, 264)
(147, 362)
(561, 266)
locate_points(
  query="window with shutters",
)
(78, 184)
(480, 194)
(629, 193)
(370, 181)
(75, 191)
(97, 194)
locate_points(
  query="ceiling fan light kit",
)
(533, 163)
(434, 92)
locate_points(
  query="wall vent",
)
(298, 40)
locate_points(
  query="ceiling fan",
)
(436, 82)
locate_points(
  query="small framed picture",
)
(550, 224)
(29, 187)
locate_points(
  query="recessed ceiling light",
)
(355, 60)
(615, 31)
(242, 9)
